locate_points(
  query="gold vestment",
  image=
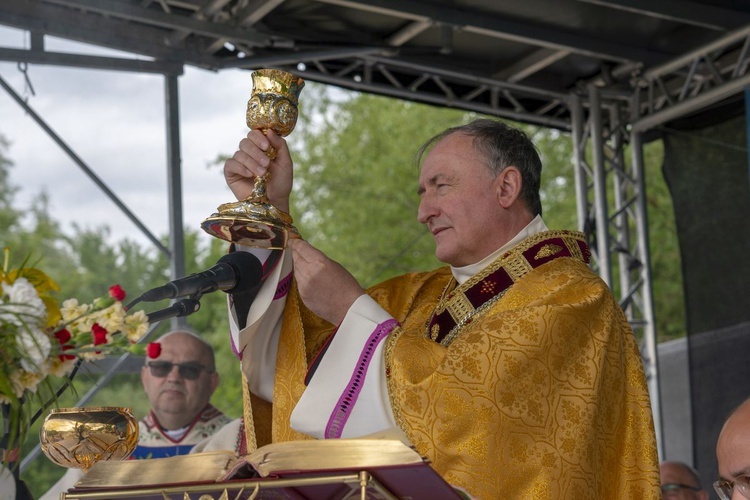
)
(541, 394)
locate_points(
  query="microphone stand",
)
(182, 307)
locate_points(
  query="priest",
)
(512, 369)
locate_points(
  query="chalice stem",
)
(259, 189)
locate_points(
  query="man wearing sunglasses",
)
(179, 384)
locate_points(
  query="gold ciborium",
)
(80, 437)
(254, 221)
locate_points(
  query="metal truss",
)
(612, 213)
(375, 73)
(606, 131)
(693, 81)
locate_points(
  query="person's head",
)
(479, 186)
(680, 481)
(733, 455)
(180, 382)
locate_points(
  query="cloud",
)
(116, 123)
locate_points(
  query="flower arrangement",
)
(39, 340)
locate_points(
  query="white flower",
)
(111, 318)
(71, 309)
(23, 304)
(22, 381)
(136, 326)
(35, 344)
(92, 355)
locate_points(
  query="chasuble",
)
(524, 382)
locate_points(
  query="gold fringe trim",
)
(247, 415)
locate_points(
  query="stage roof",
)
(518, 59)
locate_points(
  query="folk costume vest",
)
(154, 443)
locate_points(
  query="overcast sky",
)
(115, 122)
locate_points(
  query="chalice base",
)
(251, 223)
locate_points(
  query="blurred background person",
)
(681, 481)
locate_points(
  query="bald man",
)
(733, 455)
(179, 384)
(680, 481)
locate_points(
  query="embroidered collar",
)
(458, 307)
(464, 273)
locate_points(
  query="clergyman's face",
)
(459, 202)
(175, 394)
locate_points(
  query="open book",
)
(300, 468)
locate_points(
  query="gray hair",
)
(502, 146)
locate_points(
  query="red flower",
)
(117, 293)
(153, 350)
(99, 333)
(62, 336)
(64, 357)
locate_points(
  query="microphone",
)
(236, 272)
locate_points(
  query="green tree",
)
(9, 216)
(666, 264)
(355, 190)
(356, 182)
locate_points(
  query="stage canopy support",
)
(612, 81)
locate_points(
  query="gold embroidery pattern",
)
(489, 287)
(548, 251)
(530, 399)
(512, 257)
(514, 263)
(390, 345)
(434, 331)
(442, 302)
(516, 266)
(468, 319)
(247, 415)
(459, 306)
(573, 247)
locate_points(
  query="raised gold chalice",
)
(80, 437)
(255, 222)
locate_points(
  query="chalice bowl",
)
(255, 222)
(80, 437)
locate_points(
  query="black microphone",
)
(236, 272)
